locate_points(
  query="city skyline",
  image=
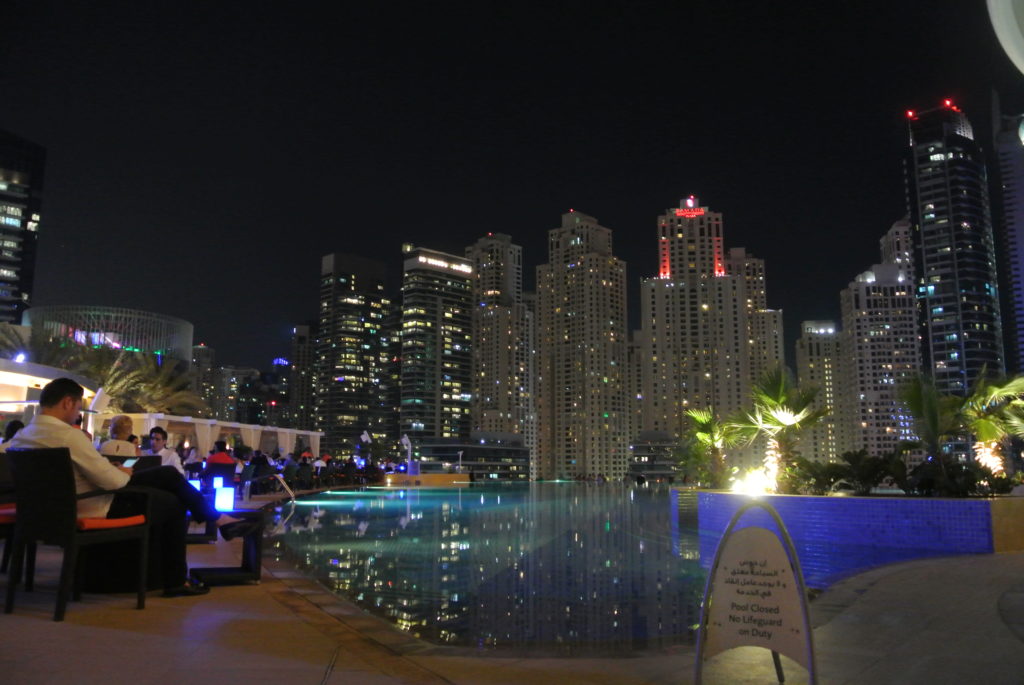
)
(223, 154)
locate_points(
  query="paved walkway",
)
(954, 620)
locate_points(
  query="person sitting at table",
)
(158, 447)
(170, 495)
(220, 463)
(118, 444)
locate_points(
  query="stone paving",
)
(952, 620)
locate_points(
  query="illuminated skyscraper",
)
(1009, 146)
(204, 373)
(351, 356)
(301, 378)
(817, 367)
(581, 344)
(706, 324)
(503, 334)
(21, 190)
(880, 352)
(954, 255)
(436, 338)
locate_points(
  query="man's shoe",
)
(192, 589)
(238, 529)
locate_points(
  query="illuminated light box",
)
(225, 499)
(218, 482)
(196, 484)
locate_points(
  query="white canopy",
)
(208, 431)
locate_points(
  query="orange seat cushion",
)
(102, 524)
(7, 513)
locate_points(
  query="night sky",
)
(204, 156)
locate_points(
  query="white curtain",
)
(285, 440)
(206, 433)
(314, 444)
(251, 435)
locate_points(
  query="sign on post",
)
(755, 596)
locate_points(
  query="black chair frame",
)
(47, 513)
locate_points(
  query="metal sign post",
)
(755, 595)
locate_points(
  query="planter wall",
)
(838, 536)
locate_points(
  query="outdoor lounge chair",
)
(47, 512)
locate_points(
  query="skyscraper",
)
(503, 332)
(706, 324)
(21, 193)
(301, 377)
(765, 325)
(436, 338)
(954, 255)
(350, 354)
(1009, 146)
(880, 352)
(817, 367)
(581, 343)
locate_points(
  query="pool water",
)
(545, 568)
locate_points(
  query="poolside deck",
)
(953, 620)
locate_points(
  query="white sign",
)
(755, 597)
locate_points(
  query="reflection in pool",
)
(546, 568)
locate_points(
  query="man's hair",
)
(59, 388)
(221, 446)
(159, 431)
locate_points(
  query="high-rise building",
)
(351, 358)
(706, 324)
(503, 332)
(581, 344)
(636, 361)
(204, 374)
(817, 367)
(880, 352)
(301, 377)
(1009, 198)
(765, 325)
(234, 395)
(954, 254)
(21, 195)
(436, 338)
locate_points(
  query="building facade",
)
(817, 367)
(436, 345)
(21, 195)
(581, 347)
(503, 338)
(954, 252)
(302, 377)
(708, 330)
(351, 355)
(880, 352)
(119, 327)
(1009, 197)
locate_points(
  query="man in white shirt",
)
(169, 493)
(158, 447)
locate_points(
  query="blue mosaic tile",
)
(839, 536)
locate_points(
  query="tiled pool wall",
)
(838, 536)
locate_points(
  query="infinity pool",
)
(545, 568)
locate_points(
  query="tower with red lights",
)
(954, 253)
(707, 329)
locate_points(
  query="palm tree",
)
(991, 414)
(937, 417)
(136, 381)
(713, 436)
(781, 412)
(36, 345)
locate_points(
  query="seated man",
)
(169, 493)
(158, 446)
